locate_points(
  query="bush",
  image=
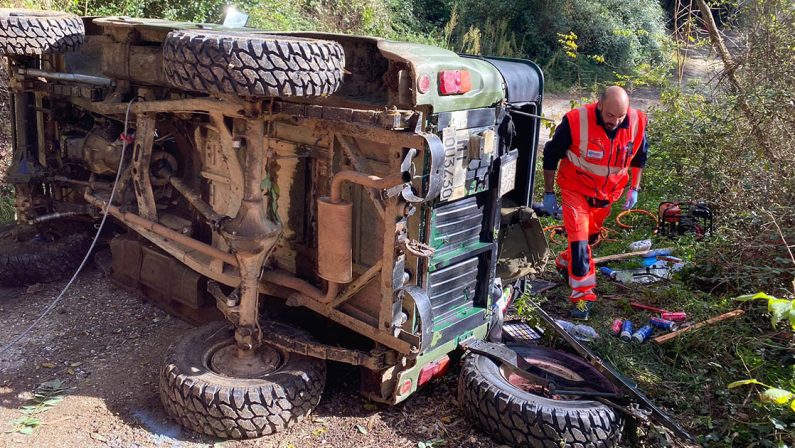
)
(703, 149)
(610, 35)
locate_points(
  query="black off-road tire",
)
(522, 419)
(252, 65)
(239, 408)
(26, 32)
(41, 254)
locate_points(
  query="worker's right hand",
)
(551, 204)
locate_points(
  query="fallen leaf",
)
(34, 288)
(48, 365)
(361, 429)
(446, 419)
(371, 422)
(319, 431)
(70, 371)
(76, 364)
(99, 437)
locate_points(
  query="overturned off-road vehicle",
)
(303, 197)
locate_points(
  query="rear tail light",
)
(434, 369)
(454, 82)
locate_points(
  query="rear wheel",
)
(40, 254)
(31, 33)
(205, 388)
(518, 414)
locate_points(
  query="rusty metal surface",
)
(365, 180)
(360, 164)
(141, 158)
(357, 285)
(376, 359)
(334, 240)
(251, 234)
(135, 63)
(206, 210)
(182, 294)
(228, 360)
(143, 223)
(309, 151)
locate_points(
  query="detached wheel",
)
(252, 65)
(511, 411)
(25, 32)
(206, 389)
(41, 254)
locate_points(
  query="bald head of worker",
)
(613, 106)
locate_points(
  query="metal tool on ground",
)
(667, 337)
(645, 408)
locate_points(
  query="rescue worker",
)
(602, 150)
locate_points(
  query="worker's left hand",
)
(632, 199)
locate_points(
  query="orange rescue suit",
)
(595, 165)
(593, 174)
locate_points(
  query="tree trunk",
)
(730, 67)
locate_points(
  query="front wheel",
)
(516, 413)
(205, 388)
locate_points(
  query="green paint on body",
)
(424, 359)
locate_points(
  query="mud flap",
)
(523, 247)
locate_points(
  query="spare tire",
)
(252, 65)
(41, 254)
(499, 405)
(25, 32)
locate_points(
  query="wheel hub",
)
(555, 369)
(232, 361)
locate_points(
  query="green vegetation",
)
(577, 42)
(727, 143)
(6, 203)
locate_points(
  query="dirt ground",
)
(106, 344)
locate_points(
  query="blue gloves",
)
(551, 204)
(632, 199)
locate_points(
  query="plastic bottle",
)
(579, 331)
(619, 276)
